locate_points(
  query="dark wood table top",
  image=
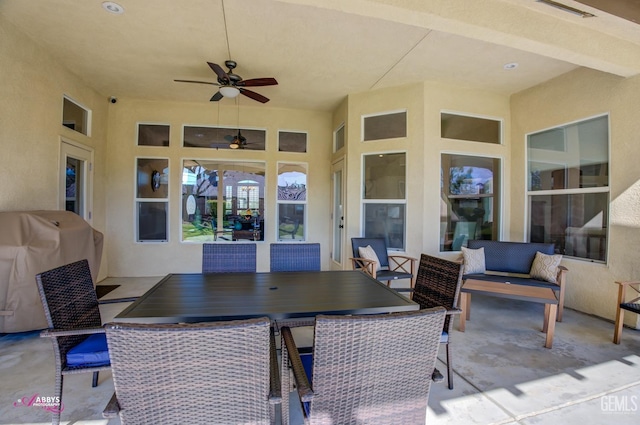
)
(277, 295)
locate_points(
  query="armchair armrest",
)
(302, 383)
(118, 300)
(453, 312)
(366, 265)
(54, 333)
(405, 264)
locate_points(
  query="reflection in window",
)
(384, 198)
(469, 201)
(222, 200)
(290, 141)
(568, 170)
(292, 199)
(384, 126)
(223, 138)
(152, 199)
(474, 129)
(75, 116)
(153, 135)
(338, 139)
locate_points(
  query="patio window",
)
(469, 200)
(384, 198)
(292, 201)
(388, 125)
(75, 116)
(153, 135)
(568, 188)
(222, 200)
(473, 129)
(152, 199)
(292, 141)
(223, 138)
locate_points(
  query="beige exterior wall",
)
(576, 96)
(32, 86)
(129, 258)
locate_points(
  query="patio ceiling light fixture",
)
(228, 91)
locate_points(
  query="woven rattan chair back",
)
(294, 257)
(373, 369)
(438, 283)
(70, 303)
(201, 373)
(228, 257)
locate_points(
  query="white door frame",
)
(338, 214)
(85, 154)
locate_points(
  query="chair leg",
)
(617, 333)
(449, 368)
(55, 413)
(94, 382)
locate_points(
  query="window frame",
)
(531, 194)
(399, 201)
(141, 200)
(304, 203)
(478, 116)
(383, 113)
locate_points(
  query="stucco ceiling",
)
(322, 50)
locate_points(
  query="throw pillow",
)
(370, 254)
(473, 260)
(545, 267)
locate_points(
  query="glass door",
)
(76, 179)
(337, 215)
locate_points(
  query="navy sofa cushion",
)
(512, 279)
(510, 257)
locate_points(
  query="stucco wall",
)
(129, 258)
(32, 86)
(575, 96)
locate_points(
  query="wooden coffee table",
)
(534, 294)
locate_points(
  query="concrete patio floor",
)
(503, 374)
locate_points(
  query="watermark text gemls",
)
(619, 404)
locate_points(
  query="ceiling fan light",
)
(234, 144)
(229, 91)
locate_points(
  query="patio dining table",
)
(189, 298)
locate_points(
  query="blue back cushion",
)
(510, 257)
(92, 351)
(378, 245)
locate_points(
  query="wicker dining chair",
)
(438, 283)
(366, 368)
(196, 373)
(75, 327)
(228, 257)
(294, 257)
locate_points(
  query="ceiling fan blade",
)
(216, 97)
(219, 72)
(197, 82)
(229, 138)
(256, 82)
(253, 95)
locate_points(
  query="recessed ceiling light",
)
(112, 7)
(510, 65)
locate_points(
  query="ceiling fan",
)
(231, 84)
(237, 142)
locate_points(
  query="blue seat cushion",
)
(444, 337)
(307, 362)
(91, 352)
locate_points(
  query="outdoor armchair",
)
(366, 368)
(197, 373)
(75, 327)
(622, 305)
(380, 265)
(438, 283)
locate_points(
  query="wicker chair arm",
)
(302, 383)
(453, 312)
(275, 390)
(112, 408)
(54, 333)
